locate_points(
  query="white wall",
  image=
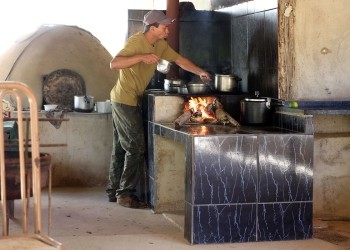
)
(105, 19)
(322, 44)
(322, 53)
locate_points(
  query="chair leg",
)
(10, 213)
(11, 209)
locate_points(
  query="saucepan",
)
(83, 103)
(198, 88)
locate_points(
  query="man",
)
(136, 64)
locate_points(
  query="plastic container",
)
(104, 107)
(49, 107)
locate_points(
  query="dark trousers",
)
(127, 156)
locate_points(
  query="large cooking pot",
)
(83, 103)
(226, 83)
(258, 110)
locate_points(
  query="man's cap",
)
(156, 16)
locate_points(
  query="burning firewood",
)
(198, 110)
(222, 116)
(182, 119)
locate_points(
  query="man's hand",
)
(150, 58)
(205, 76)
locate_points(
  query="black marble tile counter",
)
(241, 184)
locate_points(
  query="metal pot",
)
(198, 88)
(83, 103)
(170, 87)
(258, 111)
(177, 81)
(225, 83)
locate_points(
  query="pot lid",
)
(61, 86)
(255, 99)
(226, 76)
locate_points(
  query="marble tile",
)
(223, 223)
(294, 121)
(253, 184)
(284, 221)
(224, 170)
(285, 168)
(188, 170)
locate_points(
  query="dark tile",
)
(285, 168)
(269, 86)
(284, 221)
(223, 224)
(239, 42)
(271, 38)
(256, 41)
(224, 169)
(205, 38)
(150, 149)
(188, 170)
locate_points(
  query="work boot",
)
(131, 202)
(112, 198)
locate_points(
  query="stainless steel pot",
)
(170, 87)
(198, 88)
(259, 110)
(84, 103)
(225, 83)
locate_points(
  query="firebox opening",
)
(204, 110)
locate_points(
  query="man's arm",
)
(122, 62)
(187, 65)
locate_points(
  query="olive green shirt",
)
(132, 82)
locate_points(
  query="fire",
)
(204, 110)
(201, 109)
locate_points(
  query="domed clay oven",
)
(59, 60)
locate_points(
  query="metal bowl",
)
(198, 88)
(163, 66)
(183, 89)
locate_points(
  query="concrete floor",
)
(83, 219)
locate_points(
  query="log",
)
(182, 119)
(222, 116)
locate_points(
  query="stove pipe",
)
(173, 38)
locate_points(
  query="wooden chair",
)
(25, 239)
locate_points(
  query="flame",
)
(199, 108)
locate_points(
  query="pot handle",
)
(268, 103)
